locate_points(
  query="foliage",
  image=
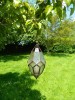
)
(58, 36)
(48, 7)
(22, 22)
(14, 21)
(65, 36)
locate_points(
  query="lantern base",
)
(36, 76)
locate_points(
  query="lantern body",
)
(36, 61)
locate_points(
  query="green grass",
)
(57, 82)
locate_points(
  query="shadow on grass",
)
(18, 87)
(59, 54)
(6, 58)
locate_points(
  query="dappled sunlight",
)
(59, 54)
(6, 58)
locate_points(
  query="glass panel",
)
(36, 58)
(42, 68)
(42, 58)
(36, 70)
(32, 64)
(31, 57)
(31, 69)
(36, 49)
(40, 64)
(36, 75)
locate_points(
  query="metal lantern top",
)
(36, 61)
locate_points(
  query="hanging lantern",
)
(36, 61)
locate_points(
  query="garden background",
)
(22, 24)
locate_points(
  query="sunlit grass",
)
(57, 82)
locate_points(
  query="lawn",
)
(57, 82)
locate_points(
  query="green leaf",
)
(68, 2)
(64, 12)
(28, 22)
(48, 9)
(40, 1)
(39, 25)
(59, 11)
(72, 11)
(27, 6)
(24, 17)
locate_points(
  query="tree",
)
(46, 8)
(14, 21)
(59, 36)
(20, 21)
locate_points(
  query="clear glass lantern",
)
(36, 61)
